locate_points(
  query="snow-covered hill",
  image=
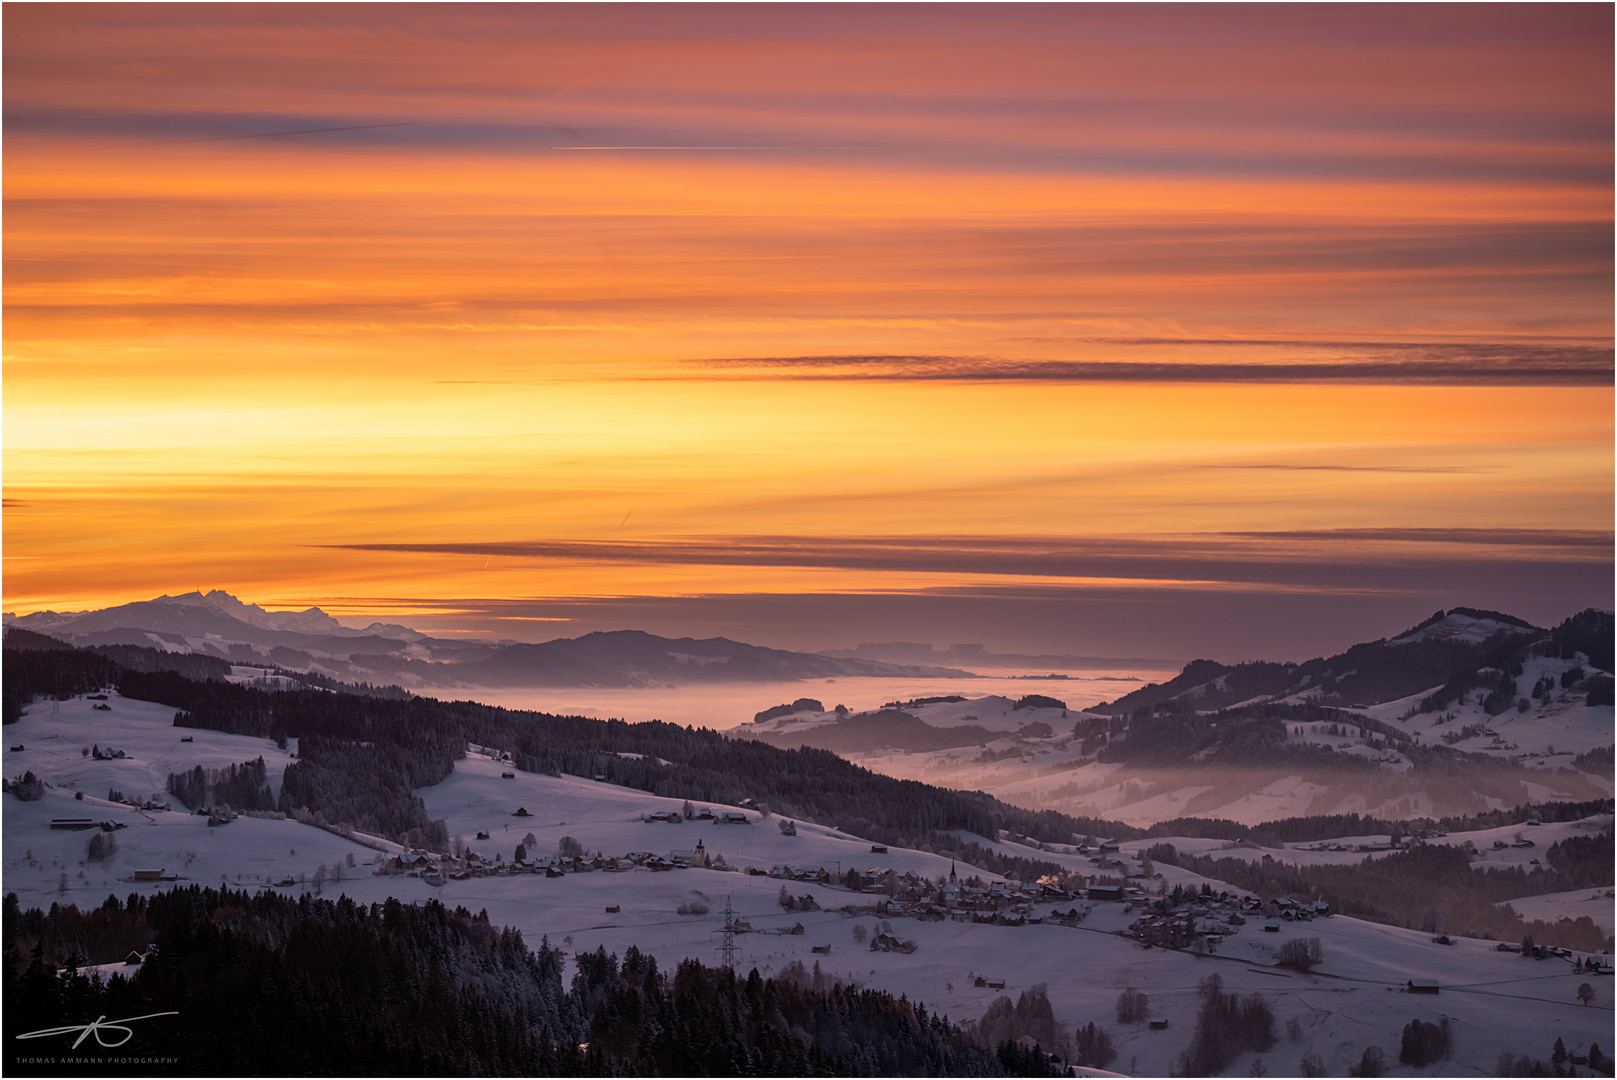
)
(1462, 624)
(1454, 650)
(1046, 757)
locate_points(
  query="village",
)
(1180, 918)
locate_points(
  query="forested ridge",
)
(41, 666)
(1431, 887)
(267, 984)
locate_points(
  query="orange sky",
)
(1147, 302)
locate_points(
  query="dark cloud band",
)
(1592, 367)
(1384, 560)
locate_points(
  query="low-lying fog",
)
(726, 705)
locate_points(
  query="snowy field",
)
(1495, 1001)
(1597, 904)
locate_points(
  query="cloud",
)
(1374, 560)
(1590, 367)
(1550, 538)
(1434, 469)
(1225, 625)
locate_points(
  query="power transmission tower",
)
(729, 929)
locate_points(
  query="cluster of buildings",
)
(1192, 920)
(1003, 903)
(435, 869)
(725, 817)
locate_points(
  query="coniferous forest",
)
(306, 987)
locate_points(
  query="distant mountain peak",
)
(309, 621)
(214, 603)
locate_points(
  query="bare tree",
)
(1300, 953)
(1373, 1062)
(1132, 1006)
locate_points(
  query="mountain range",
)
(218, 624)
(1459, 644)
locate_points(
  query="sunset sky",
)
(1131, 331)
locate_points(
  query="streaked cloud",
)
(1319, 560)
(1594, 368)
(1179, 624)
(687, 305)
(1289, 467)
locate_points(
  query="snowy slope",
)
(1461, 626)
(1596, 904)
(56, 736)
(609, 819)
